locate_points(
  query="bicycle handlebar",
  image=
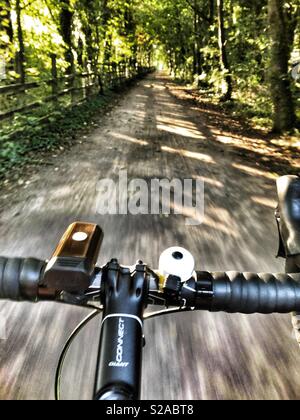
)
(255, 293)
(71, 276)
(20, 278)
(232, 292)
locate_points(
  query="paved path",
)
(152, 133)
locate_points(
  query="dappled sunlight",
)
(169, 104)
(176, 115)
(187, 153)
(224, 139)
(156, 86)
(137, 114)
(220, 219)
(254, 171)
(235, 231)
(122, 136)
(61, 192)
(282, 142)
(178, 122)
(181, 131)
(207, 111)
(264, 201)
(210, 181)
(242, 142)
(141, 96)
(194, 215)
(6, 370)
(151, 120)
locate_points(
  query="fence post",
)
(54, 76)
(111, 78)
(73, 80)
(88, 79)
(115, 74)
(100, 82)
(119, 73)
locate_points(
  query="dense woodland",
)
(238, 51)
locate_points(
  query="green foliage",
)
(181, 35)
(35, 135)
(187, 31)
(88, 31)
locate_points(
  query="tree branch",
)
(199, 11)
(51, 13)
(27, 5)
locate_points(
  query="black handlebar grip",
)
(20, 278)
(255, 293)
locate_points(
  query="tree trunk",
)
(197, 53)
(106, 14)
(6, 28)
(90, 27)
(90, 51)
(284, 111)
(227, 88)
(20, 59)
(80, 48)
(108, 49)
(211, 10)
(66, 22)
(130, 32)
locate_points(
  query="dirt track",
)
(151, 133)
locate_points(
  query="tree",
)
(211, 43)
(20, 57)
(65, 27)
(284, 111)
(130, 31)
(204, 14)
(105, 19)
(227, 89)
(89, 15)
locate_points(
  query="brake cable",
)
(80, 327)
(66, 348)
(167, 312)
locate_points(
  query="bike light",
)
(178, 262)
(73, 262)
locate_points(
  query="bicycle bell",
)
(178, 262)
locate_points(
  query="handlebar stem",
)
(121, 342)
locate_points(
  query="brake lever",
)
(85, 299)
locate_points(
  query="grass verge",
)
(34, 139)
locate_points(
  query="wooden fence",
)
(67, 90)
